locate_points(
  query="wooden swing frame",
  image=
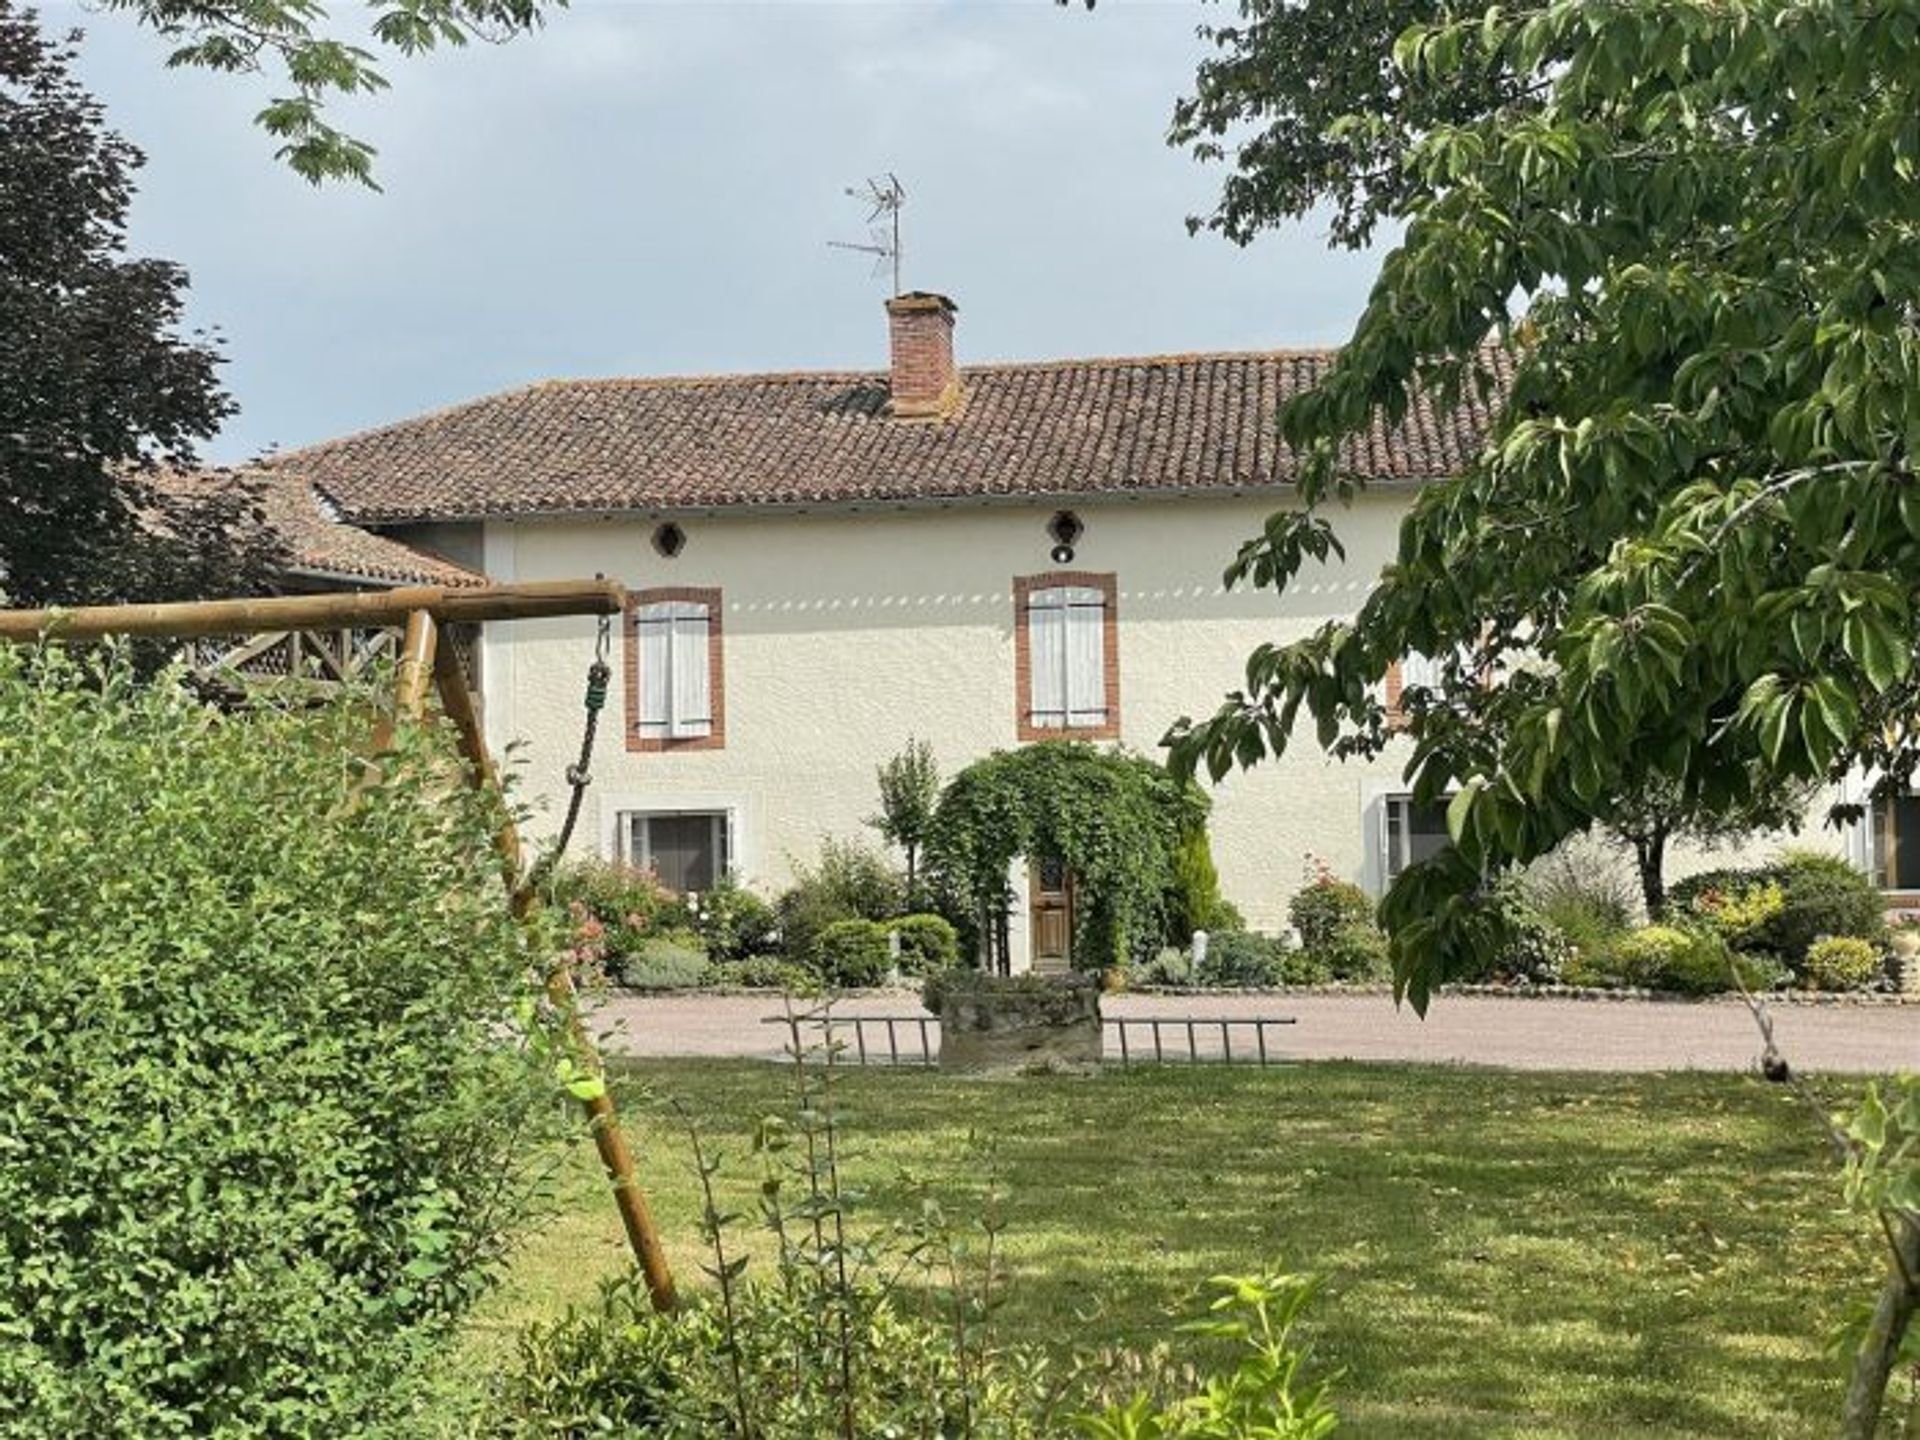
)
(422, 611)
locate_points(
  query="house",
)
(825, 564)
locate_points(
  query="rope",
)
(579, 775)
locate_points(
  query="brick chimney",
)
(925, 384)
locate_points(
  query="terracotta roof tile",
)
(316, 540)
(1063, 428)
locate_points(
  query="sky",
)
(649, 189)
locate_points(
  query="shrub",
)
(1743, 915)
(1240, 958)
(671, 961)
(268, 1110)
(1352, 953)
(764, 972)
(1821, 895)
(1842, 962)
(1170, 966)
(927, 943)
(1536, 952)
(615, 894)
(733, 922)
(622, 1369)
(1824, 896)
(1666, 957)
(1324, 906)
(1193, 898)
(848, 882)
(1581, 894)
(854, 954)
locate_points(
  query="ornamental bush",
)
(854, 954)
(269, 1105)
(927, 943)
(1821, 895)
(763, 972)
(1325, 905)
(1842, 962)
(1242, 959)
(732, 921)
(1669, 958)
(671, 960)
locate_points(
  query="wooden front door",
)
(1050, 888)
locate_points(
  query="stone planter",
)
(993, 1026)
(1905, 945)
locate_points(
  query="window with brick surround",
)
(675, 695)
(1066, 656)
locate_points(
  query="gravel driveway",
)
(1466, 1029)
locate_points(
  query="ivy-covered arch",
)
(1114, 819)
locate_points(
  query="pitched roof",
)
(317, 541)
(1064, 428)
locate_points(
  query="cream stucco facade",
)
(846, 631)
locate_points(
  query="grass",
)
(1503, 1254)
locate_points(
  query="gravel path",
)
(1472, 1030)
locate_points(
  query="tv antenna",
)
(884, 195)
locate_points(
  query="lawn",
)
(1504, 1254)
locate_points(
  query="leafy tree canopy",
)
(298, 43)
(1303, 97)
(1684, 274)
(96, 383)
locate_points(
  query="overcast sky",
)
(649, 188)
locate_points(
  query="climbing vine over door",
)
(1113, 819)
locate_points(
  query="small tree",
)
(1651, 816)
(909, 792)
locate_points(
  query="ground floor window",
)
(1414, 832)
(687, 849)
(1895, 851)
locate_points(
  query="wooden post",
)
(643, 1237)
(418, 652)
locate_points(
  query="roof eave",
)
(880, 502)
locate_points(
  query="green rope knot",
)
(597, 677)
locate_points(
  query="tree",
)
(1682, 269)
(1302, 96)
(98, 389)
(318, 64)
(1647, 820)
(909, 791)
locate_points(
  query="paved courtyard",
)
(1473, 1030)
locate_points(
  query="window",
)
(1413, 832)
(675, 697)
(1426, 672)
(1066, 672)
(687, 849)
(1895, 830)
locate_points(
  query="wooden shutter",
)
(1421, 670)
(655, 623)
(692, 695)
(1047, 657)
(1086, 658)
